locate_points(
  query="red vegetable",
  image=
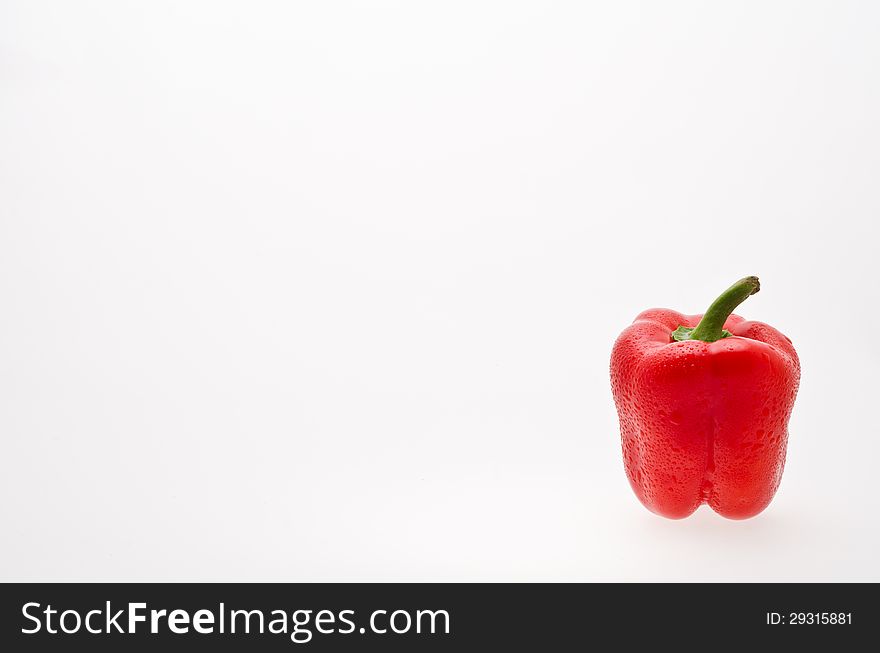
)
(704, 403)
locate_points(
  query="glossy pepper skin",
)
(704, 411)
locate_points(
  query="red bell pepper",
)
(704, 402)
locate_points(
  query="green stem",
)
(711, 327)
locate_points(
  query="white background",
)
(327, 291)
